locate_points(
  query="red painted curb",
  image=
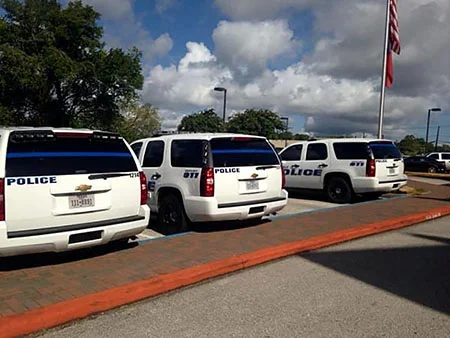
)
(77, 308)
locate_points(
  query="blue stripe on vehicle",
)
(382, 145)
(67, 154)
(242, 151)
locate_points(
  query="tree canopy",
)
(206, 121)
(54, 69)
(138, 121)
(257, 122)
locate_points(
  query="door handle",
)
(155, 176)
(295, 166)
(323, 165)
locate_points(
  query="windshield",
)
(242, 152)
(385, 150)
(66, 154)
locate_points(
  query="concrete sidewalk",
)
(41, 291)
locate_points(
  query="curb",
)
(77, 308)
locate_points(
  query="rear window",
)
(45, 153)
(385, 150)
(242, 152)
(351, 151)
(188, 153)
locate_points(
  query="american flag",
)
(394, 41)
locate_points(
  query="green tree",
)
(206, 121)
(54, 70)
(301, 137)
(257, 122)
(138, 121)
(411, 145)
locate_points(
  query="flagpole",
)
(383, 75)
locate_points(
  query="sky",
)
(317, 62)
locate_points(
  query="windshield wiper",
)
(105, 176)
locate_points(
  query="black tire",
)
(339, 190)
(432, 170)
(171, 216)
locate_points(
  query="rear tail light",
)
(144, 190)
(283, 178)
(2, 199)
(207, 182)
(371, 168)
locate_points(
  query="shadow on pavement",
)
(419, 274)
(226, 226)
(50, 258)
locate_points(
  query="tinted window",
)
(188, 153)
(66, 154)
(293, 153)
(242, 152)
(435, 156)
(154, 154)
(137, 148)
(446, 156)
(385, 150)
(351, 151)
(316, 152)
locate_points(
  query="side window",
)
(187, 154)
(446, 156)
(293, 153)
(137, 148)
(316, 152)
(154, 154)
(435, 156)
(351, 150)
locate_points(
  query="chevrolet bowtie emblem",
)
(83, 187)
(254, 175)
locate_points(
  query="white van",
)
(64, 189)
(343, 167)
(211, 177)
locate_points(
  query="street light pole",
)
(437, 138)
(428, 126)
(224, 90)
(287, 128)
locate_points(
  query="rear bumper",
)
(22, 243)
(205, 209)
(370, 184)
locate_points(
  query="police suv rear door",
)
(246, 170)
(68, 180)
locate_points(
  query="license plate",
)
(391, 171)
(81, 201)
(252, 185)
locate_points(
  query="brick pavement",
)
(34, 281)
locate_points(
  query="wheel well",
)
(169, 191)
(329, 176)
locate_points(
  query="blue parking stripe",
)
(242, 151)
(67, 154)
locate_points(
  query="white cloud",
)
(247, 47)
(124, 30)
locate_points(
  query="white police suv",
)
(64, 189)
(210, 177)
(344, 167)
